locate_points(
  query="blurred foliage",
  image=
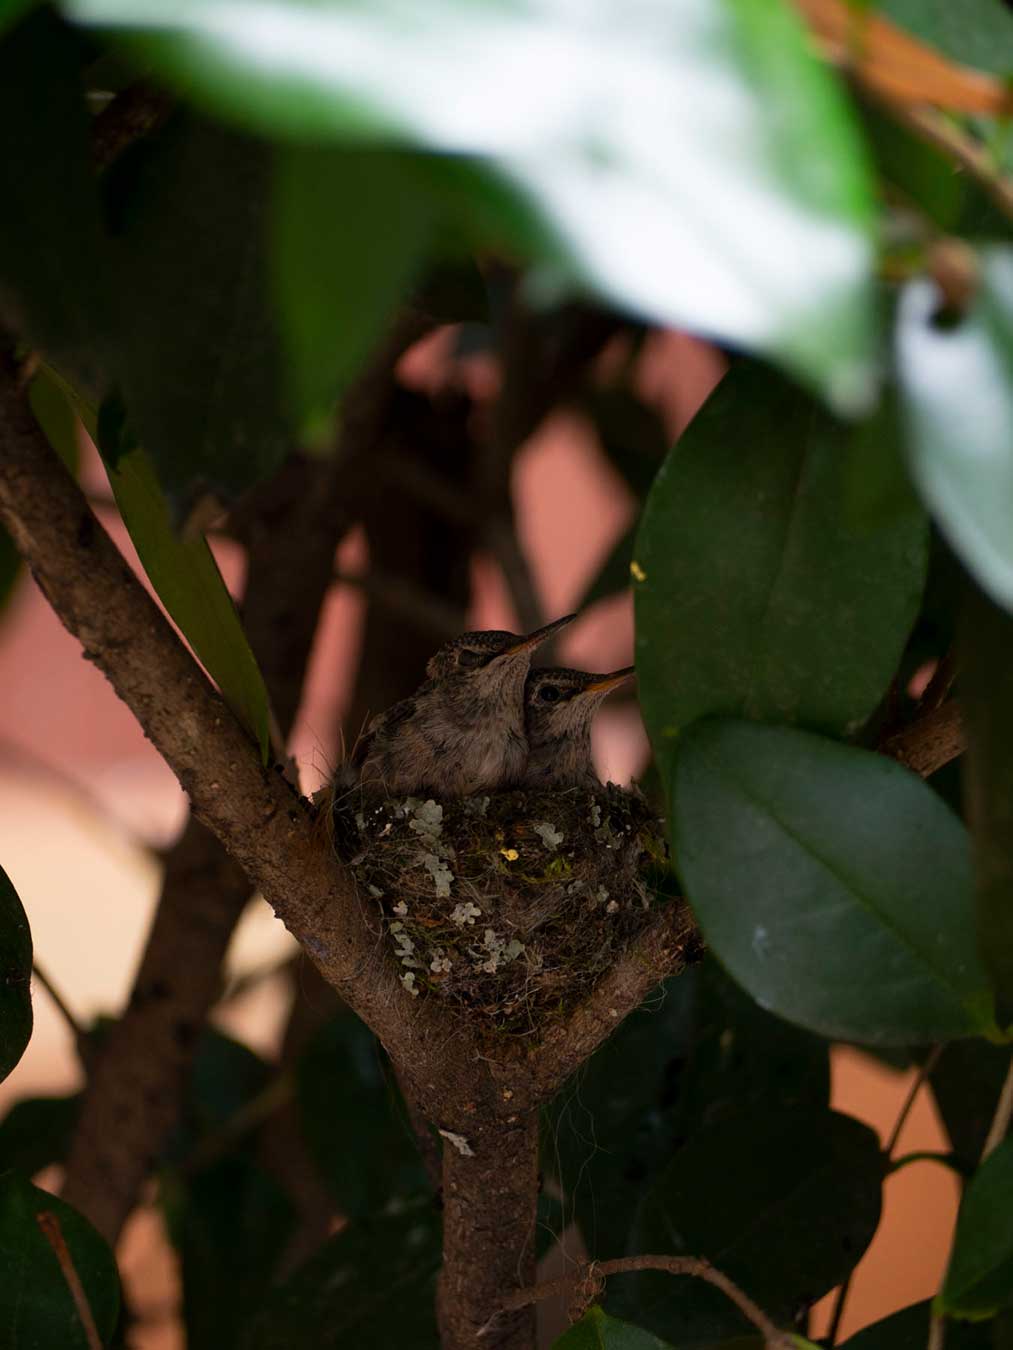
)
(836, 522)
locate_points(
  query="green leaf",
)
(15, 977)
(187, 581)
(979, 1280)
(832, 883)
(36, 1132)
(966, 1082)
(36, 1308)
(758, 594)
(353, 1119)
(371, 1286)
(613, 575)
(731, 195)
(975, 32)
(783, 1202)
(350, 231)
(200, 357)
(52, 257)
(597, 1331)
(957, 388)
(909, 1330)
(986, 688)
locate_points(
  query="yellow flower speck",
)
(510, 854)
(637, 572)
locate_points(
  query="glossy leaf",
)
(832, 883)
(200, 356)
(986, 658)
(15, 977)
(353, 1119)
(784, 1203)
(52, 256)
(370, 1286)
(189, 584)
(909, 1330)
(36, 1308)
(697, 164)
(957, 389)
(757, 593)
(350, 230)
(979, 1280)
(36, 1131)
(597, 1331)
(966, 1082)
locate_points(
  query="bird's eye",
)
(548, 693)
(470, 659)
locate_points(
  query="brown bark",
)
(490, 1193)
(930, 741)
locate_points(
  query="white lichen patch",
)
(475, 806)
(498, 951)
(408, 980)
(441, 963)
(612, 907)
(377, 894)
(601, 895)
(401, 908)
(549, 835)
(427, 819)
(440, 873)
(459, 1142)
(595, 816)
(465, 913)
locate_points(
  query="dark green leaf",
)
(350, 230)
(974, 32)
(52, 258)
(226, 1077)
(186, 578)
(758, 595)
(200, 360)
(832, 883)
(10, 565)
(36, 1132)
(613, 575)
(11, 10)
(784, 1203)
(924, 174)
(36, 1308)
(986, 651)
(966, 1083)
(909, 1330)
(371, 1286)
(731, 196)
(597, 1331)
(15, 977)
(979, 1280)
(957, 388)
(353, 1119)
(633, 436)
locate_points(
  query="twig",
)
(937, 1332)
(938, 688)
(930, 741)
(589, 1281)
(402, 597)
(947, 1160)
(134, 113)
(920, 1078)
(52, 1232)
(250, 1116)
(1000, 1121)
(62, 1007)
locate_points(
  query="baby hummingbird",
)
(462, 731)
(559, 706)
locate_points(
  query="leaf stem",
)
(53, 1234)
(1000, 1121)
(62, 1007)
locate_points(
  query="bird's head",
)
(559, 703)
(490, 660)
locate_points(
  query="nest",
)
(507, 906)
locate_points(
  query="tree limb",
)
(930, 741)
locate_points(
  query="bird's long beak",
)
(606, 683)
(540, 635)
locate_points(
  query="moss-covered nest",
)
(508, 906)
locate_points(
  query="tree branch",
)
(930, 741)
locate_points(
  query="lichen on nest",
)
(510, 905)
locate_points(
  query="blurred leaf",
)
(975, 32)
(909, 1330)
(52, 257)
(979, 1280)
(966, 1082)
(350, 231)
(986, 689)
(757, 593)
(371, 1286)
(784, 1203)
(832, 883)
(924, 174)
(15, 977)
(10, 10)
(957, 388)
(633, 435)
(200, 360)
(353, 1119)
(597, 1331)
(613, 575)
(36, 1132)
(225, 1078)
(185, 576)
(731, 195)
(36, 1308)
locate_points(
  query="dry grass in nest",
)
(508, 906)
